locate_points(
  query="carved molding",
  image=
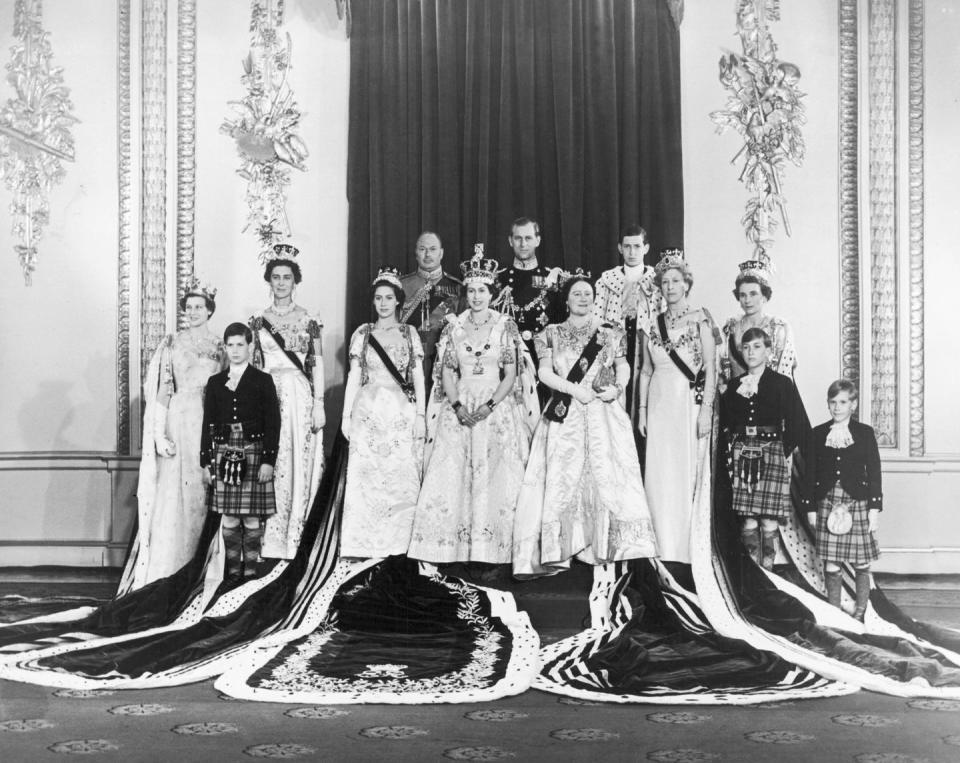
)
(849, 200)
(915, 171)
(884, 367)
(186, 144)
(125, 185)
(154, 179)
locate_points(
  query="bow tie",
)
(839, 435)
(748, 385)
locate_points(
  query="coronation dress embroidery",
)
(172, 497)
(582, 493)
(783, 354)
(383, 474)
(299, 466)
(466, 504)
(297, 673)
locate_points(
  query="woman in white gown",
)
(677, 392)
(383, 418)
(582, 493)
(171, 495)
(287, 344)
(480, 430)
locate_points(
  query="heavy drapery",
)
(465, 114)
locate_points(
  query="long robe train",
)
(780, 636)
(154, 605)
(480, 645)
(890, 652)
(650, 642)
(397, 633)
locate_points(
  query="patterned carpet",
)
(195, 723)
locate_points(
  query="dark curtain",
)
(466, 114)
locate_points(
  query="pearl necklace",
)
(280, 312)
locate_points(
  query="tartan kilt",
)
(249, 498)
(859, 546)
(770, 497)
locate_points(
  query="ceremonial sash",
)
(406, 386)
(294, 358)
(414, 303)
(697, 381)
(559, 403)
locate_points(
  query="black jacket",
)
(538, 315)
(776, 404)
(254, 404)
(857, 466)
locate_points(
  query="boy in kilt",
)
(762, 423)
(848, 494)
(238, 449)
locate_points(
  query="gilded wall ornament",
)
(35, 136)
(764, 107)
(265, 125)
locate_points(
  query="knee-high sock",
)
(833, 582)
(252, 537)
(771, 543)
(751, 542)
(863, 593)
(233, 545)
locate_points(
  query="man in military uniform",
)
(528, 290)
(430, 295)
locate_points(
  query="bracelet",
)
(457, 405)
(490, 404)
(421, 415)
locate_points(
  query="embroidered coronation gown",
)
(300, 455)
(171, 496)
(472, 476)
(383, 476)
(582, 493)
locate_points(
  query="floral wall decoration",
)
(764, 107)
(264, 126)
(35, 136)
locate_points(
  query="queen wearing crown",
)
(677, 391)
(480, 419)
(582, 495)
(171, 496)
(383, 417)
(287, 344)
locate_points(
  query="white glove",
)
(163, 444)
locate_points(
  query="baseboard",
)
(66, 555)
(919, 561)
